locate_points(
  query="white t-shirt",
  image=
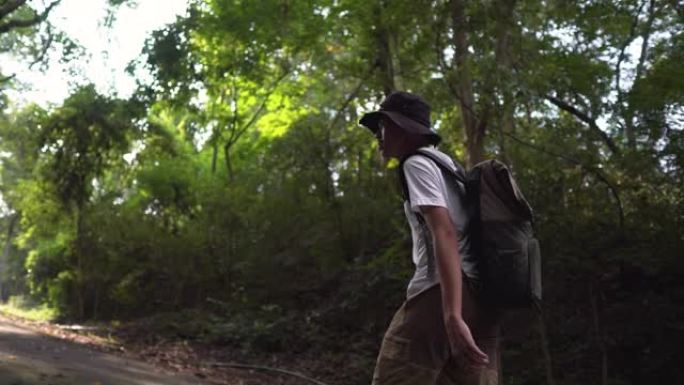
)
(427, 187)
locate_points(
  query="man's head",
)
(401, 125)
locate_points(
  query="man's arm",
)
(445, 242)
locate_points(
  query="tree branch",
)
(623, 48)
(47, 43)
(352, 95)
(7, 78)
(10, 7)
(260, 109)
(646, 34)
(586, 119)
(234, 108)
(646, 37)
(24, 23)
(590, 169)
(326, 156)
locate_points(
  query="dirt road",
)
(29, 358)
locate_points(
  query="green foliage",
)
(80, 136)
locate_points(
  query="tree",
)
(19, 144)
(78, 140)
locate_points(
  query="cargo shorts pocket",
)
(393, 361)
(395, 348)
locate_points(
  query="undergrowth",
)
(20, 306)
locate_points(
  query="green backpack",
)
(500, 229)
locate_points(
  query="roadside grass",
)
(18, 306)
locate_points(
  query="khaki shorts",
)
(415, 349)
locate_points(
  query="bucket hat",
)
(409, 111)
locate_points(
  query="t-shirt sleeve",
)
(424, 181)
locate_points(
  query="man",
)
(441, 334)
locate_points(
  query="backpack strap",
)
(469, 188)
(459, 174)
(419, 216)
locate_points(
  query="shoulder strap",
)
(427, 239)
(459, 174)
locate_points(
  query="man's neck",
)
(413, 149)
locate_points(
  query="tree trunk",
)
(394, 59)
(96, 300)
(505, 11)
(474, 127)
(600, 339)
(214, 156)
(229, 165)
(545, 350)
(79, 284)
(5, 253)
(385, 51)
(630, 129)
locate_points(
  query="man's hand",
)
(463, 345)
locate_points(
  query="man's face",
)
(390, 138)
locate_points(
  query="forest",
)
(233, 200)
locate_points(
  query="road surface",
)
(29, 358)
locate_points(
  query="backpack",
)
(500, 228)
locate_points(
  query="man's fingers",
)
(480, 354)
(471, 353)
(475, 355)
(476, 358)
(463, 344)
(472, 363)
